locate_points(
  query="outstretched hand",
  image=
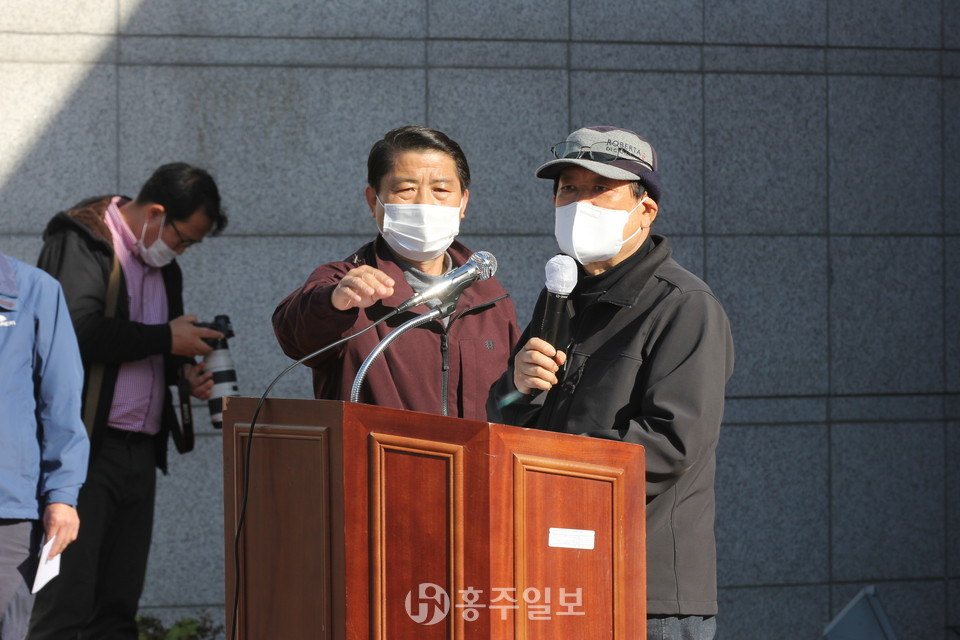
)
(361, 287)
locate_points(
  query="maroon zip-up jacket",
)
(470, 352)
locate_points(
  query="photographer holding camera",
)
(114, 258)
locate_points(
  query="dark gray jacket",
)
(648, 360)
(78, 251)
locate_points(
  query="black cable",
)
(246, 463)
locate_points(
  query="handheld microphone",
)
(561, 278)
(480, 266)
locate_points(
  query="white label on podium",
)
(571, 538)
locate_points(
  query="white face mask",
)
(158, 254)
(419, 232)
(590, 233)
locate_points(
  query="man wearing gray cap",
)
(644, 357)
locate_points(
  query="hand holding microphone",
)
(536, 366)
(561, 278)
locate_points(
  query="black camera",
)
(219, 362)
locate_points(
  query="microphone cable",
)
(247, 455)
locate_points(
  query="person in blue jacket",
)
(43, 443)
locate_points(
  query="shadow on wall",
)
(61, 126)
(91, 114)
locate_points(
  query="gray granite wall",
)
(811, 156)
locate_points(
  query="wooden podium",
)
(365, 522)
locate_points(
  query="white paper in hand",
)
(49, 567)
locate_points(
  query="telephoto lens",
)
(219, 362)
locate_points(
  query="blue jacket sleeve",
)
(58, 375)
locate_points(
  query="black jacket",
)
(648, 360)
(78, 251)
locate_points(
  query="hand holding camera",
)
(190, 338)
(218, 364)
(200, 382)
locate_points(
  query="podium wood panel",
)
(358, 516)
(417, 527)
(571, 482)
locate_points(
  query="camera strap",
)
(182, 429)
(95, 382)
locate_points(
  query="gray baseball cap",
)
(611, 152)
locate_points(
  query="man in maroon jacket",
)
(417, 191)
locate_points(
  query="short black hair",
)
(182, 189)
(413, 138)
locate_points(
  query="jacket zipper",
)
(445, 350)
(445, 372)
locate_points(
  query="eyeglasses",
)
(185, 242)
(567, 150)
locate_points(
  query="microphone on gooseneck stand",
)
(561, 278)
(480, 266)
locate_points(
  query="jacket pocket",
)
(599, 388)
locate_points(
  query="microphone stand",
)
(433, 314)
